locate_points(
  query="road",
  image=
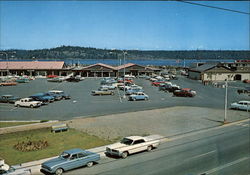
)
(223, 150)
(83, 104)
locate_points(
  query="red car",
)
(52, 76)
(157, 83)
(185, 92)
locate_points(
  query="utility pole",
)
(225, 113)
(124, 96)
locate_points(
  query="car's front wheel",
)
(90, 164)
(124, 155)
(59, 171)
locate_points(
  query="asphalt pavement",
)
(83, 104)
(215, 151)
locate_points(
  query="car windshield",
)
(65, 155)
(126, 141)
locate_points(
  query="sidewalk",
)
(35, 166)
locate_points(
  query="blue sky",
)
(144, 25)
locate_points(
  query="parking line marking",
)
(204, 154)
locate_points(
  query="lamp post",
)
(225, 113)
(124, 53)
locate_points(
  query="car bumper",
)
(44, 170)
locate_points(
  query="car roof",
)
(186, 89)
(134, 137)
(7, 95)
(26, 99)
(75, 150)
(55, 91)
(244, 101)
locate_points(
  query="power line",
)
(209, 6)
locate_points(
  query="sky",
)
(139, 25)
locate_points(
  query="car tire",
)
(124, 155)
(31, 106)
(149, 148)
(146, 99)
(134, 99)
(59, 171)
(90, 164)
(17, 105)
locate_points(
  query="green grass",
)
(8, 124)
(58, 142)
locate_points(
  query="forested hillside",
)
(73, 52)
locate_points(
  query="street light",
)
(225, 113)
(124, 53)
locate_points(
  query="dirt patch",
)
(167, 122)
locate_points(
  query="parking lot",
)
(83, 104)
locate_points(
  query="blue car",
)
(138, 96)
(43, 97)
(57, 97)
(133, 91)
(68, 160)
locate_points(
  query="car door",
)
(82, 159)
(138, 145)
(72, 163)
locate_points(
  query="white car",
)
(28, 102)
(132, 144)
(241, 105)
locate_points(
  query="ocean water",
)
(157, 62)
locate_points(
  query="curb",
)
(35, 166)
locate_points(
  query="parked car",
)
(28, 102)
(241, 105)
(57, 97)
(246, 81)
(185, 92)
(102, 92)
(15, 171)
(131, 145)
(157, 82)
(245, 90)
(45, 99)
(133, 91)
(138, 96)
(52, 76)
(68, 160)
(10, 83)
(56, 79)
(8, 99)
(172, 87)
(108, 86)
(61, 93)
(73, 79)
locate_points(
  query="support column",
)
(109, 74)
(60, 73)
(102, 74)
(87, 74)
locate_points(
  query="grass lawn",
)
(8, 124)
(58, 142)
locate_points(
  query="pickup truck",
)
(28, 102)
(103, 92)
(132, 144)
(69, 159)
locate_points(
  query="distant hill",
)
(74, 52)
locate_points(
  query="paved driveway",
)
(84, 105)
